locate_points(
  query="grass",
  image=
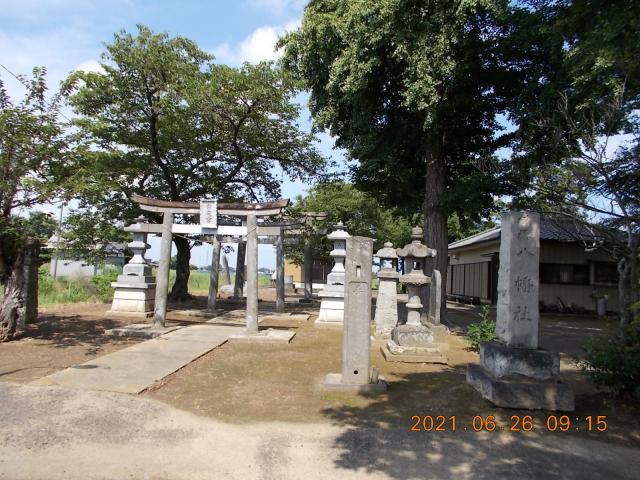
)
(61, 290)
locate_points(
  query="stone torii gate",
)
(208, 210)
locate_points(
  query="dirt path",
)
(54, 433)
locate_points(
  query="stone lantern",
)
(332, 303)
(414, 342)
(135, 289)
(386, 317)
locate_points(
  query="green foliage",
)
(614, 363)
(163, 121)
(61, 290)
(483, 330)
(34, 150)
(399, 82)
(358, 211)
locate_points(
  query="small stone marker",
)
(435, 298)
(514, 372)
(356, 373)
(386, 317)
(225, 270)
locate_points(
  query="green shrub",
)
(102, 283)
(482, 331)
(614, 363)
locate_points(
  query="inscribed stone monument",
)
(386, 316)
(514, 372)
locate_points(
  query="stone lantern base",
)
(331, 305)
(134, 296)
(417, 344)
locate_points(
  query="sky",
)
(65, 35)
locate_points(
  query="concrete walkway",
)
(52, 433)
(136, 368)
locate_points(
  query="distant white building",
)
(570, 273)
(65, 264)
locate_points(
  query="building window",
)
(564, 273)
(605, 273)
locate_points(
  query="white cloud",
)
(279, 8)
(259, 45)
(90, 66)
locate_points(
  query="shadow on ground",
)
(380, 439)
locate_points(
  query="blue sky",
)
(64, 35)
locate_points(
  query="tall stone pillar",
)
(280, 272)
(225, 270)
(514, 372)
(386, 317)
(238, 286)
(332, 295)
(162, 287)
(356, 342)
(252, 274)
(435, 297)
(214, 274)
(30, 281)
(308, 270)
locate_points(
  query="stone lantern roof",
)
(339, 233)
(387, 252)
(416, 249)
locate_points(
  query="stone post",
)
(30, 281)
(356, 341)
(514, 372)
(280, 272)
(308, 270)
(225, 270)
(252, 274)
(162, 278)
(238, 286)
(214, 274)
(386, 317)
(435, 297)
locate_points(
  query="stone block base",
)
(331, 309)
(140, 330)
(501, 361)
(521, 392)
(333, 382)
(264, 336)
(392, 352)
(121, 313)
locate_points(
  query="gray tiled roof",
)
(550, 230)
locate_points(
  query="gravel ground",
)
(52, 433)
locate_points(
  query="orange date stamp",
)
(517, 423)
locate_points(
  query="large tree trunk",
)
(435, 221)
(12, 304)
(180, 290)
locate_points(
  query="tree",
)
(588, 170)
(33, 151)
(412, 91)
(358, 211)
(165, 122)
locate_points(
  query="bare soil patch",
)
(245, 383)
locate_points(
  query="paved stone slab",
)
(264, 336)
(134, 369)
(140, 330)
(333, 382)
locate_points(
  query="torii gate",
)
(208, 211)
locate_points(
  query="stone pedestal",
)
(415, 342)
(136, 287)
(332, 295)
(514, 372)
(356, 375)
